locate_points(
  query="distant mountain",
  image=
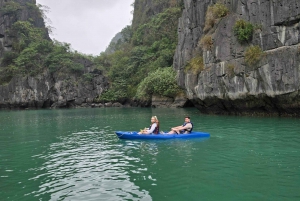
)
(112, 47)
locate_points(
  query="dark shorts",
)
(184, 132)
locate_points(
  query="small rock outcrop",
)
(180, 100)
(51, 90)
(161, 101)
(227, 84)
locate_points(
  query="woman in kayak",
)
(154, 127)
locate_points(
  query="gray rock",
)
(85, 105)
(161, 101)
(227, 84)
(117, 104)
(180, 101)
(109, 104)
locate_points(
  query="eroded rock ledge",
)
(51, 90)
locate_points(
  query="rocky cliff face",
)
(48, 89)
(229, 85)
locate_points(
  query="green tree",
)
(161, 82)
(10, 7)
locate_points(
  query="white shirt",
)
(153, 126)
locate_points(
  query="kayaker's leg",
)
(173, 131)
(177, 129)
(143, 132)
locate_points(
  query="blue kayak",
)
(135, 135)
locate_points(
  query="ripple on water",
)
(86, 165)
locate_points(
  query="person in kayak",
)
(186, 128)
(154, 127)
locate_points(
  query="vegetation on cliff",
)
(10, 7)
(139, 65)
(195, 65)
(253, 54)
(31, 51)
(32, 54)
(243, 30)
(213, 13)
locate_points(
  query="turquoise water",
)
(75, 155)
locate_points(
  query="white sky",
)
(88, 25)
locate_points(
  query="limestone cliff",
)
(12, 11)
(227, 84)
(47, 88)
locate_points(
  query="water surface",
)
(75, 155)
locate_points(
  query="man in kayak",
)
(186, 128)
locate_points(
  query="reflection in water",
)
(87, 166)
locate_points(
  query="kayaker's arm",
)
(153, 126)
(187, 126)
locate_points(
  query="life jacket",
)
(156, 130)
(190, 129)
